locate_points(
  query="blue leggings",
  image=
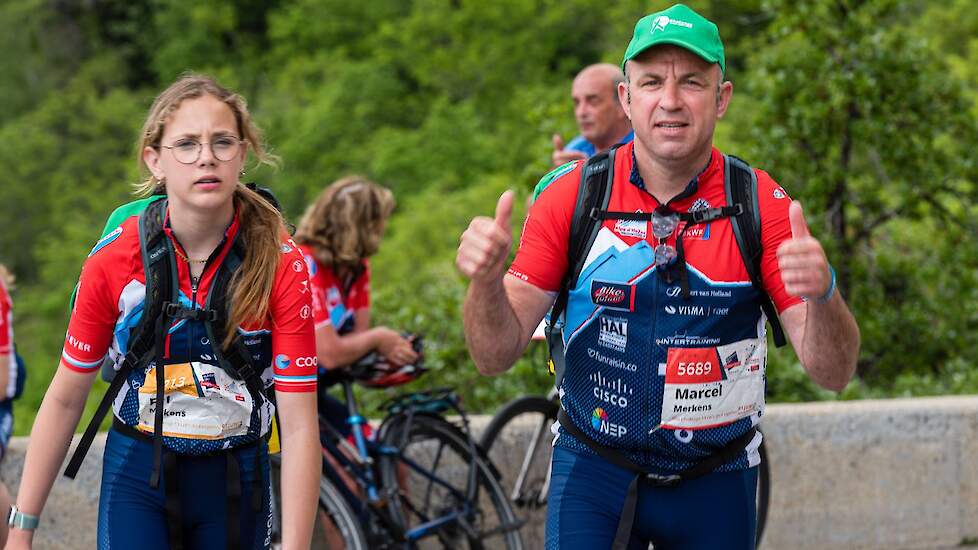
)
(714, 512)
(132, 515)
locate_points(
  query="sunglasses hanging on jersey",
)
(670, 263)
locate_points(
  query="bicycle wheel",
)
(432, 472)
(763, 493)
(337, 527)
(520, 434)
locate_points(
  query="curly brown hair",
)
(346, 222)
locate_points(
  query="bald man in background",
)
(599, 115)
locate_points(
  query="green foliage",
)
(866, 110)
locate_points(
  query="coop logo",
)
(282, 361)
(613, 295)
(660, 23)
(600, 422)
(306, 361)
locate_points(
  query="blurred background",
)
(866, 111)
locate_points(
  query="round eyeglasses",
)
(187, 151)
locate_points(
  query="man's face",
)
(674, 103)
(597, 110)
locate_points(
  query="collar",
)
(229, 233)
(635, 178)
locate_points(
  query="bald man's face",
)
(596, 107)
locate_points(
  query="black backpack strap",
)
(740, 185)
(156, 265)
(237, 361)
(593, 195)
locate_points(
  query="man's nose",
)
(670, 99)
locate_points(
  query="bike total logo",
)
(601, 423)
(613, 295)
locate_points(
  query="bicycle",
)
(525, 424)
(422, 483)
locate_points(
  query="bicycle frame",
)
(360, 467)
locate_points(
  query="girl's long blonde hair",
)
(345, 223)
(261, 225)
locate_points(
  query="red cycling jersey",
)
(542, 256)
(6, 322)
(331, 305)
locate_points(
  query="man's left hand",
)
(804, 267)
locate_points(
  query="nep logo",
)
(613, 295)
(599, 421)
(282, 361)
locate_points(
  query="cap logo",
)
(661, 22)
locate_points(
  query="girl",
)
(192, 473)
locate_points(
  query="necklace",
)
(188, 260)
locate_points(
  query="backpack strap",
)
(157, 267)
(740, 185)
(593, 194)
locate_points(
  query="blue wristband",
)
(828, 293)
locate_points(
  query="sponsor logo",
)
(710, 293)
(106, 240)
(699, 204)
(239, 398)
(306, 361)
(699, 232)
(286, 249)
(685, 340)
(779, 193)
(208, 380)
(613, 295)
(600, 422)
(311, 265)
(305, 312)
(613, 332)
(610, 391)
(660, 23)
(632, 228)
(684, 436)
(78, 344)
(519, 275)
(282, 361)
(611, 361)
(297, 266)
(674, 291)
(731, 361)
(304, 286)
(696, 311)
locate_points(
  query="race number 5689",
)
(698, 368)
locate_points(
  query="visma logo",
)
(282, 361)
(599, 421)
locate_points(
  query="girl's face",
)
(200, 155)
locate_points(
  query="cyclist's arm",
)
(826, 340)
(51, 435)
(301, 463)
(6, 363)
(335, 351)
(499, 318)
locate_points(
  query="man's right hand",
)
(560, 156)
(484, 246)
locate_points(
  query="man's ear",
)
(723, 97)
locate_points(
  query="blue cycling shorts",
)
(716, 511)
(6, 425)
(132, 515)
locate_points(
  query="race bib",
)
(711, 387)
(201, 401)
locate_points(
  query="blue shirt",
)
(588, 148)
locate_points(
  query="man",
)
(599, 115)
(664, 356)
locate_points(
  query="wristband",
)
(828, 293)
(20, 520)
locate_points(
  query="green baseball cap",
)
(679, 26)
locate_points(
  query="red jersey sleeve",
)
(773, 201)
(360, 293)
(293, 339)
(541, 259)
(93, 317)
(6, 322)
